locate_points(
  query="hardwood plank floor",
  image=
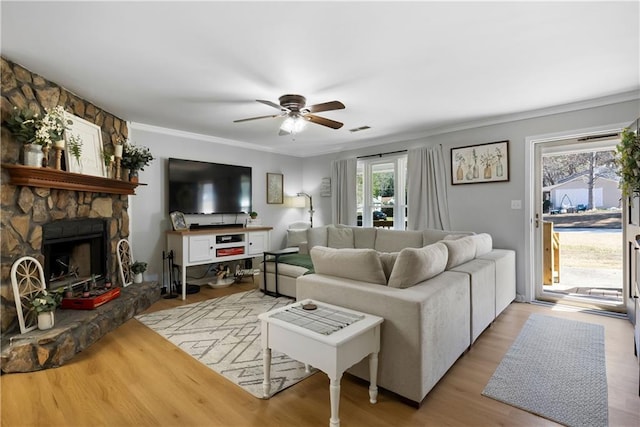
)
(134, 377)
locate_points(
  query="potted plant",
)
(44, 303)
(135, 158)
(22, 124)
(628, 161)
(253, 215)
(137, 268)
(50, 130)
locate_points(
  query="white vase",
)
(33, 155)
(45, 320)
(137, 278)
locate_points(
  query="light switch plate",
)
(516, 204)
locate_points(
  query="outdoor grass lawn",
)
(591, 249)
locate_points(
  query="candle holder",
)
(58, 150)
(118, 159)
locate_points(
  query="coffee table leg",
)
(373, 375)
(334, 393)
(266, 362)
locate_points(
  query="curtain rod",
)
(381, 154)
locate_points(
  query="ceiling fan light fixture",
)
(294, 123)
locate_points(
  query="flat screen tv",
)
(208, 188)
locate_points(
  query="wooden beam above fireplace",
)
(52, 178)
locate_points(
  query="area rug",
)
(555, 369)
(224, 334)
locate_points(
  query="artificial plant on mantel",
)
(628, 161)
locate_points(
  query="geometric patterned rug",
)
(224, 334)
(555, 369)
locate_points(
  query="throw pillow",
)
(484, 244)
(460, 251)
(355, 264)
(415, 265)
(339, 237)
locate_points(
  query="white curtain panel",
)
(343, 186)
(427, 189)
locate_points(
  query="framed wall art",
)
(178, 221)
(275, 194)
(90, 161)
(480, 163)
(325, 187)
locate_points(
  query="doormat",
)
(555, 369)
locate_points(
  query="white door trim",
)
(532, 267)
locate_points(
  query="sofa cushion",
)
(339, 237)
(296, 237)
(356, 264)
(388, 259)
(316, 237)
(364, 237)
(396, 240)
(460, 251)
(415, 265)
(431, 235)
(484, 243)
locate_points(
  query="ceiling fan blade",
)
(256, 118)
(326, 106)
(269, 103)
(323, 121)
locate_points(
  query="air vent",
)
(361, 128)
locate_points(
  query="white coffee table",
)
(333, 353)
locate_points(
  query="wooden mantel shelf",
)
(52, 178)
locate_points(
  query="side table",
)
(331, 351)
(276, 256)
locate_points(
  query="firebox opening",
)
(74, 250)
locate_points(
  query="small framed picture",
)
(178, 221)
(275, 193)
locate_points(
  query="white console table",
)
(209, 246)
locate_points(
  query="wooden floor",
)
(134, 377)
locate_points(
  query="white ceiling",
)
(406, 69)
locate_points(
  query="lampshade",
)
(297, 202)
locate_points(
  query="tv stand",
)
(213, 226)
(214, 245)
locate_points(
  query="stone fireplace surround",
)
(25, 209)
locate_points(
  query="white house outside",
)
(575, 191)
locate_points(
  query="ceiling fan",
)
(296, 113)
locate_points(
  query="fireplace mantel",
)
(52, 178)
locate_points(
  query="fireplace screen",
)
(74, 250)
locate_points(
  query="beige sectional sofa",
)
(437, 291)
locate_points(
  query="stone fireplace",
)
(29, 211)
(70, 223)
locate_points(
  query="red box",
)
(89, 303)
(229, 251)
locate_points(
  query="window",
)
(382, 192)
